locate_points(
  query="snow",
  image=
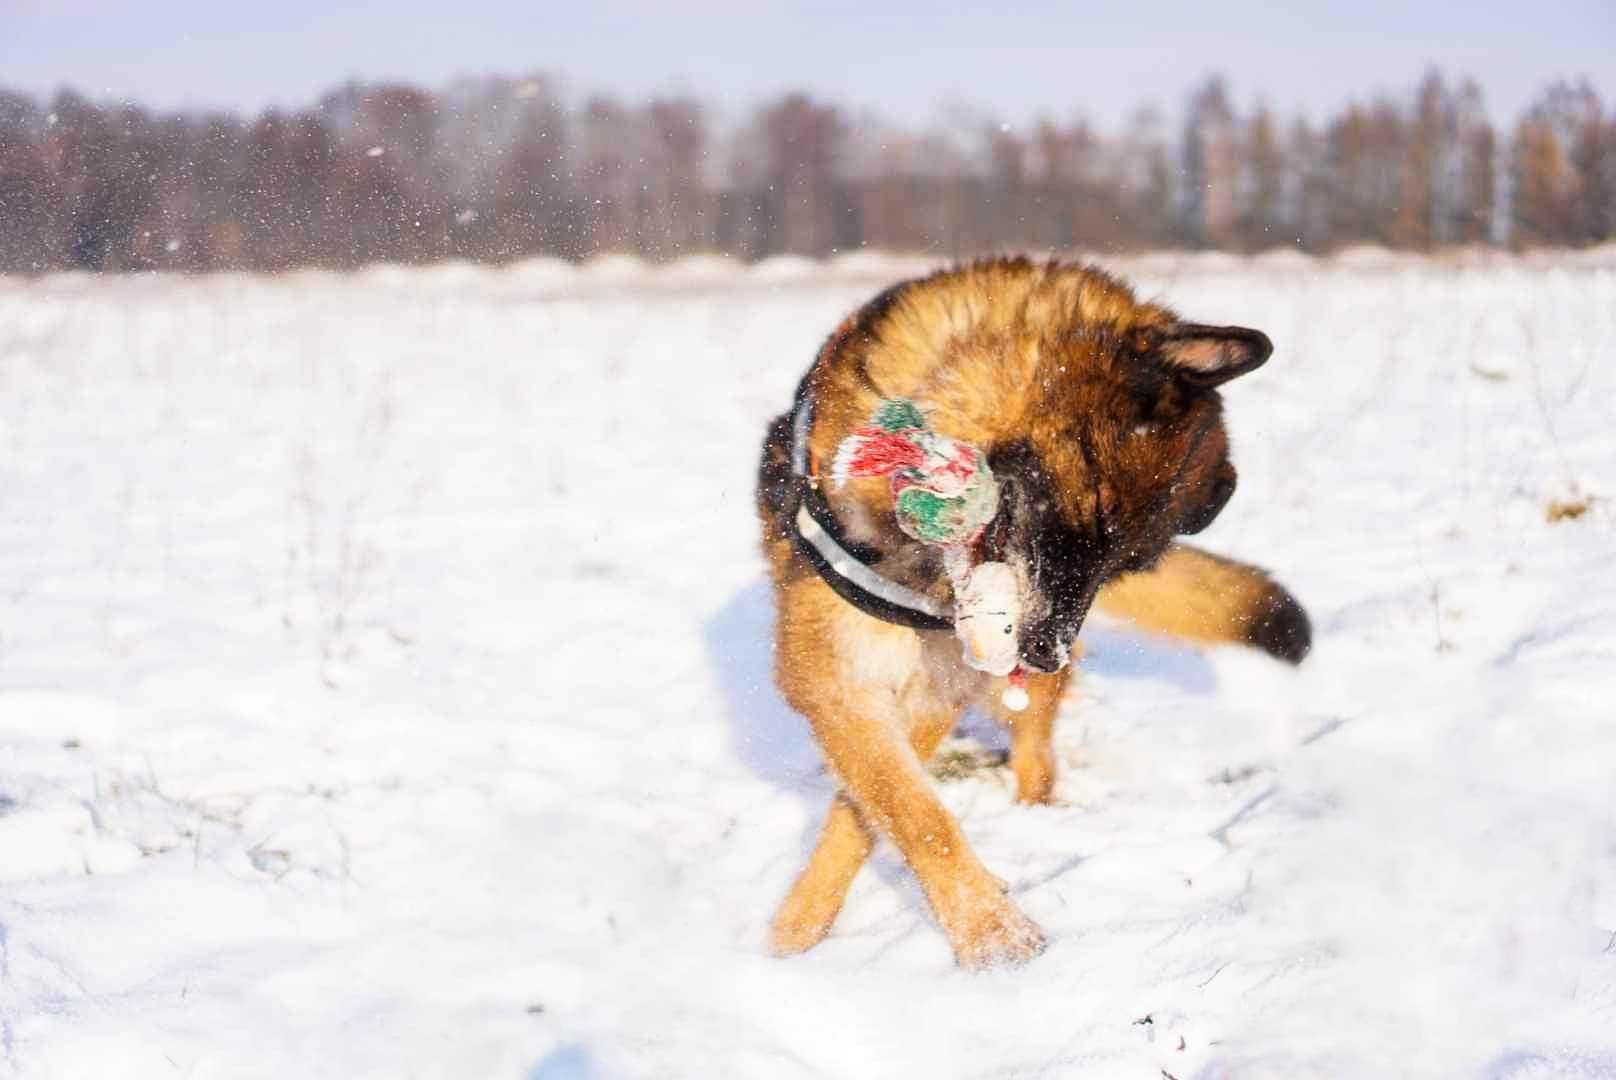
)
(384, 691)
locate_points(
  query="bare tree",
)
(1210, 159)
(1262, 220)
(32, 216)
(1552, 195)
(803, 142)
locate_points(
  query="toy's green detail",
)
(898, 414)
(942, 489)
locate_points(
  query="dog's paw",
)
(999, 935)
(801, 923)
(789, 937)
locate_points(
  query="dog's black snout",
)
(1041, 650)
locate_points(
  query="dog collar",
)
(844, 564)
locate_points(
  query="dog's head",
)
(1122, 449)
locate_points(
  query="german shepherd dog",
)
(1100, 419)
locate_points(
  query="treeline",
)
(501, 169)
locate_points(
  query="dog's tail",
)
(1194, 594)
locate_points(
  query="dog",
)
(1100, 420)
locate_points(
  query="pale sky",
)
(900, 59)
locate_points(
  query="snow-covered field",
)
(384, 691)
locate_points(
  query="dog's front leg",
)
(806, 914)
(1032, 755)
(863, 737)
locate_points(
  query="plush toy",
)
(987, 611)
(944, 494)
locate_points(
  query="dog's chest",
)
(920, 670)
(876, 655)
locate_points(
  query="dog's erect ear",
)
(1212, 355)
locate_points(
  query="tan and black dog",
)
(1101, 421)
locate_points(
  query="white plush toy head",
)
(987, 618)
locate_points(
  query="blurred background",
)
(189, 136)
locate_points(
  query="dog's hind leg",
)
(806, 914)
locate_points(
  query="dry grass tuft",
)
(1569, 509)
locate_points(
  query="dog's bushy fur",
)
(1102, 421)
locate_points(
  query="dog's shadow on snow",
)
(766, 733)
(1113, 651)
(774, 741)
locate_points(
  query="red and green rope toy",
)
(942, 489)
